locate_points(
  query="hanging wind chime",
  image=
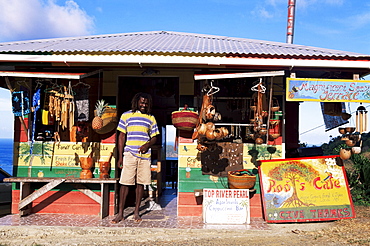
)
(361, 119)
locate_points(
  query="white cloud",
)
(359, 20)
(335, 2)
(33, 19)
(5, 105)
(269, 9)
(306, 3)
(277, 2)
(5, 100)
(262, 12)
(7, 118)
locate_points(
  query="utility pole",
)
(290, 26)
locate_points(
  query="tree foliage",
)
(357, 168)
(293, 170)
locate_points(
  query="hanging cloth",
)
(333, 121)
(36, 106)
(47, 115)
(20, 103)
(81, 103)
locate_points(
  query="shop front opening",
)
(165, 94)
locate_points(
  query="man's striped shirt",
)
(139, 129)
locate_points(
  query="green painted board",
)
(62, 172)
(193, 180)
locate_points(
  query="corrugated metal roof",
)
(170, 42)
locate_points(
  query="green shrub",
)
(358, 174)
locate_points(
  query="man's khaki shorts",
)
(135, 170)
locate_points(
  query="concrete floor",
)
(155, 215)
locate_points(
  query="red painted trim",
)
(187, 210)
(63, 202)
(186, 198)
(111, 139)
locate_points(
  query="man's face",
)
(143, 105)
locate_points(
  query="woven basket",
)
(185, 120)
(241, 179)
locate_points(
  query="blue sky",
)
(335, 24)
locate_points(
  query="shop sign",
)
(327, 90)
(306, 189)
(226, 206)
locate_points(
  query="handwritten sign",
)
(64, 154)
(327, 90)
(306, 189)
(226, 206)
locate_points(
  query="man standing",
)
(137, 133)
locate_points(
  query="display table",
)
(27, 196)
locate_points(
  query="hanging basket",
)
(275, 105)
(241, 179)
(185, 120)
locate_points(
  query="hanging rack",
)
(213, 89)
(68, 92)
(38, 84)
(82, 83)
(259, 87)
(23, 83)
(55, 88)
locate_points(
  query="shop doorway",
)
(165, 94)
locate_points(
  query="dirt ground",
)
(343, 232)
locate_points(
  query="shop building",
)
(177, 69)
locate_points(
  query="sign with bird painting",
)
(305, 189)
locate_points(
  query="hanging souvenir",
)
(333, 121)
(35, 107)
(361, 119)
(206, 132)
(81, 99)
(47, 113)
(333, 108)
(57, 106)
(259, 113)
(67, 109)
(20, 103)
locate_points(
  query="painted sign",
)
(306, 189)
(50, 159)
(226, 206)
(327, 90)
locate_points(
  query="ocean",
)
(6, 155)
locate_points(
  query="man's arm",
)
(121, 145)
(143, 149)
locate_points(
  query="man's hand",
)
(143, 149)
(120, 163)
